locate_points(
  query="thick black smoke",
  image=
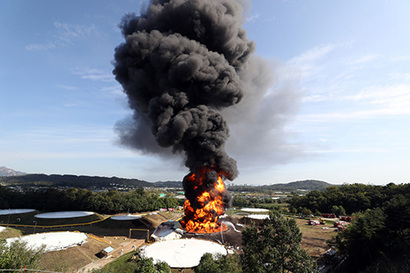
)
(179, 68)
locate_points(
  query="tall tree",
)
(219, 264)
(363, 240)
(275, 247)
(378, 240)
(16, 255)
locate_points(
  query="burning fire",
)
(208, 205)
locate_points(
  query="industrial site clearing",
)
(157, 235)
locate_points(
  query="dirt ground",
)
(120, 248)
(71, 259)
(84, 258)
(315, 237)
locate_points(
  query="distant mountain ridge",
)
(15, 178)
(302, 185)
(9, 172)
(82, 181)
(307, 185)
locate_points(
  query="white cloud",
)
(94, 74)
(366, 58)
(347, 115)
(352, 150)
(76, 104)
(395, 97)
(66, 87)
(331, 74)
(67, 32)
(398, 76)
(373, 102)
(312, 62)
(28, 155)
(253, 18)
(63, 35)
(312, 55)
(113, 90)
(41, 47)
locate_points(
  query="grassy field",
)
(73, 258)
(10, 233)
(315, 237)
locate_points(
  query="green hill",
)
(300, 185)
(306, 185)
(55, 180)
(82, 181)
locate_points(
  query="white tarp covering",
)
(15, 211)
(63, 214)
(184, 253)
(53, 241)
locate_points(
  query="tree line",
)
(81, 181)
(106, 202)
(347, 198)
(255, 202)
(378, 239)
(75, 181)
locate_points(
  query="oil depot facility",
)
(167, 241)
(182, 249)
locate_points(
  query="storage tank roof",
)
(183, 253)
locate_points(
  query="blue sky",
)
(337, 108)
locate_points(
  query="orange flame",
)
(209, 206)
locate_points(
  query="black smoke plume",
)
(179, 67)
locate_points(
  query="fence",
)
(56, 226)
(99, 238)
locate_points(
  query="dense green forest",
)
(241, 201)
(378, 239)
(352, 198)
(80, 199)
(81, 181)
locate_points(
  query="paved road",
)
(124, 248)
